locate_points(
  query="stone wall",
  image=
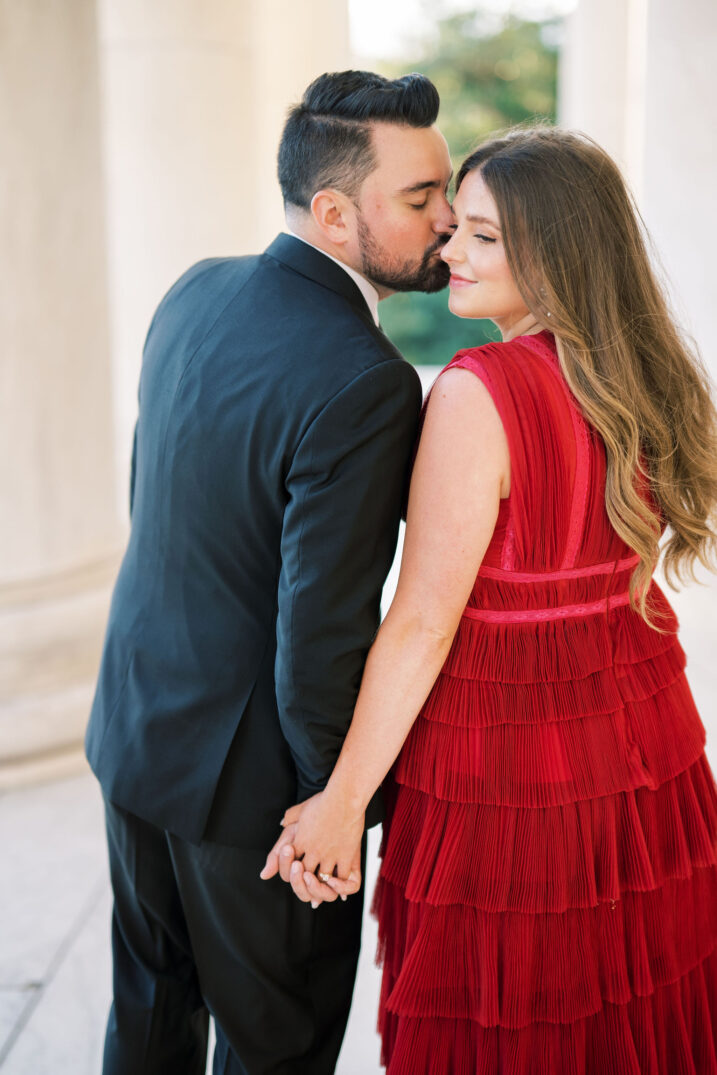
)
(137, 136)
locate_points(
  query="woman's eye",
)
(418, 205)
(484, 238)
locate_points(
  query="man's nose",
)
(444, 219)
(448, 252)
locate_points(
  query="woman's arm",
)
(462, 470)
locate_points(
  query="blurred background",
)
(137, 136)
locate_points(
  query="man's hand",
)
(281, 856)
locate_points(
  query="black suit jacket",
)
(275, 425)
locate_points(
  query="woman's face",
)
(481, 283)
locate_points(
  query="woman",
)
(548, 889)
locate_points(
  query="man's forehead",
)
(416, 157)
(387, 135)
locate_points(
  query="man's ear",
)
(333, 214)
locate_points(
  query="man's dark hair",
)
(327, 137)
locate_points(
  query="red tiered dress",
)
(548, 894)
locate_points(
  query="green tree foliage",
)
(491, 74)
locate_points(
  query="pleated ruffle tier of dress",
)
(548, 892)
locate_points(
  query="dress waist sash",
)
(606, 568)
(558, 612)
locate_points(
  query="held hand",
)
(285, 858)
(327, 837)
(282, 860)
(282, 854)
(308, 887)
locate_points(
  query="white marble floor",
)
(55, 938)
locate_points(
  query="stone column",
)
(640, 77)
(677, 185)
(59, 534)
(195, 94)
(592, 92)
(680, 158)
(136, 137)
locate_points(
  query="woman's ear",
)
(333, 214)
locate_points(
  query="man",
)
(275, 425)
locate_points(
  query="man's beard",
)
(429, 274)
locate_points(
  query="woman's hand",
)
(286, 860)
(327, 835)
(294, 812)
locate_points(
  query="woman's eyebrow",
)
(482, 220)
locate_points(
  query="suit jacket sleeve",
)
(345, 486)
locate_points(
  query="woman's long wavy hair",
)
(575, 245)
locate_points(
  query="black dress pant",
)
(195, 931)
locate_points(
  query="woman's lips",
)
(460, 281)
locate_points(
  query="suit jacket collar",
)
(311, 263)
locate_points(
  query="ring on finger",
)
(325, 877)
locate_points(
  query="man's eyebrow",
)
(428, 184)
